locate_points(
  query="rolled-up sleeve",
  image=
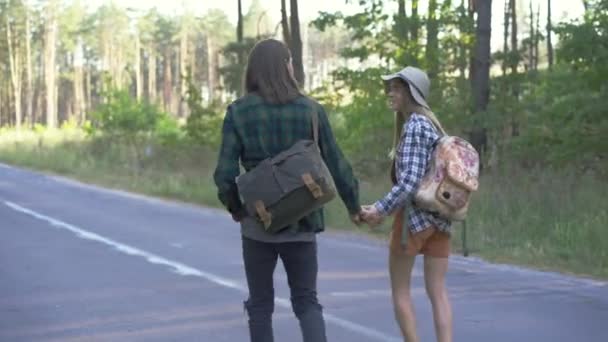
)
(339, 167)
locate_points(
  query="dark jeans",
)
(300, 261)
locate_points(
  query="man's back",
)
(255, 130)
(267, 129)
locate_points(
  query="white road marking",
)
(186, 270)
(117, 192)
(470, 264)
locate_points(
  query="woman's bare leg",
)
(435, 270)
(400, 268)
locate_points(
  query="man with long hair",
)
(268, 119)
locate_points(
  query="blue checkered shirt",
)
(412, 157)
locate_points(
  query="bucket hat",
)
(418, 82)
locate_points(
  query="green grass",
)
(548, 219)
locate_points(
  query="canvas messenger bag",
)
(283, 189)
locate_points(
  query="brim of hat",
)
(390, 77)
(415, 93)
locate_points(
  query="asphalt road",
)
(82, 263)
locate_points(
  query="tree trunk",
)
(414, 30)
(1, 103)
(14, 56)
(415, 21)
(285, 24)
(50, 64)
(167, 80)
(401, 22)
(549, 32)
(183, 70)
(432, 46)
(514, 49)
(77, 83)
(296, 43)
(462, 49)
(505, 46)
(79, 105)
(241, 51)
(139, 82)
(481, 75)
(88, 90)
(194, 57)
(152, 75)
(239, 25)
(537, 38)
(120, 67)
(532, 40)
(472, 10)
(28, 67)
(401, 31)
(211, 71)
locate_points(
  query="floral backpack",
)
(453, 175)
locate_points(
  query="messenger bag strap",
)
(315, 127)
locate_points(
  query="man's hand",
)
(356, 218)
(239, 215)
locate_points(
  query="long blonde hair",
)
(400, 118)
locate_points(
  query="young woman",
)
(415, 231)
(269, 119)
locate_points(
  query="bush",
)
(138, 125)
(122, 115)
(167, 131)
(204, 125)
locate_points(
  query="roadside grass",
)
(548, 219)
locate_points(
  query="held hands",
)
(368, 214)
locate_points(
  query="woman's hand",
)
(371, 215)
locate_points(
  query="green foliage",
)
(584, 45)
(543, 117)
(167, 131)
(236, 55)
(127, 119)
(216, 23)
(362, 119)
(360, 116)
(256, 22)
(370, 30)
(512, 219)
(565, 109)
(204, 123)
(565, 120)
(123, 115)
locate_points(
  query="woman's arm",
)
(414, 156)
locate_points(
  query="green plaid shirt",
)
(254, 130)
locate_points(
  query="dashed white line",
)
(186, 270)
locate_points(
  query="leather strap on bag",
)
(312, 186)
(263, 214)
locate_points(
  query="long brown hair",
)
(412, 107)
(267, 73)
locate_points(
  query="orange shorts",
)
(430, 241)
